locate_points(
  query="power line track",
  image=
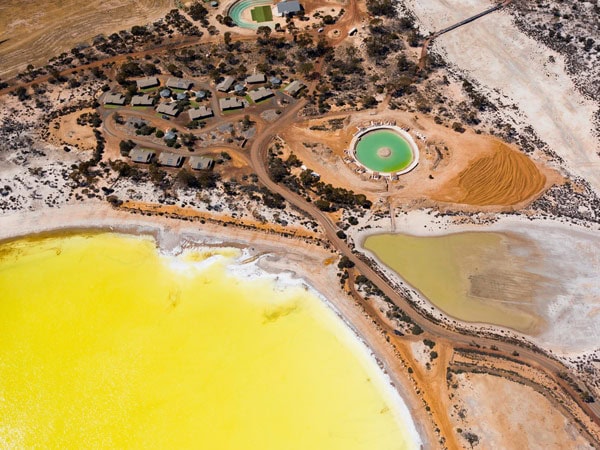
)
(429, 40)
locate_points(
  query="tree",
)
(369, 101)
(198, 12)
(306, 67)
(126, 146)
(138, 30)
(175, 71)
(227, 39)
(246, 122)
(227, 20)
(328, 20)
(471, 438)
(345, 263)
(264, 31)
(187, 179)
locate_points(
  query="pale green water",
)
(237, 9)
(401, 153)
(107, 344)
(471, 276)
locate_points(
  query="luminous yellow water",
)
(105, 343)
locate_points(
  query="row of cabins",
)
(203, 112)
(255, 78)
(168, 159)
(173, 83)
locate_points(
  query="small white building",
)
(147, 82)
(202, 112)
(229, 103)
(114, 99)
(170, 159)
(170, 109)
(141, 155)
(201, 162)
(179, 83)
(225, 85)
(142, 100)
(262, 93)
(288, 8)
(256, 78)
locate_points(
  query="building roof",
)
(201, 94)
(170, 159)
(142, 100)
(147, 82)
(256, 78)
(230, 103)
(260, 94)
(114, 99)
(181, 96)
(141, 155)
(275, 80)
(201, 162)
(179, 83)
(165, 93)
(169, 109)
(226, 84)
(294, 87)
(289, 7)
(200, 113)
(171, 134)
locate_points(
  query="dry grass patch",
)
(33, 32)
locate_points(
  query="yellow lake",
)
(106, 343)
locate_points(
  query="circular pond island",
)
(385, 149)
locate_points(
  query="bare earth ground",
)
(461, 168)
(500, 412)
(66, 131)
(504, 177)
(35, 31)
(514, 69)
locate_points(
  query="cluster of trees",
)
(330, 198)
(204, 179)
(385, 8)
(198, 12)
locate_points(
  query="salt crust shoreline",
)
(425, 223)
(247, 266)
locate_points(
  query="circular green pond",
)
(383, 151)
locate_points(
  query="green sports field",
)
(262, 14)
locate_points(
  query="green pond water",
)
(474, 277)
(400, 153)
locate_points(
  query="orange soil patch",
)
(71, 133)
(504, 177)
(170, 210)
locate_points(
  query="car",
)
(165, 117)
